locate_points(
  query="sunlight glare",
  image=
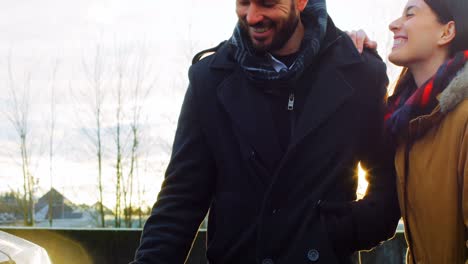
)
(362, 182)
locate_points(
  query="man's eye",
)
(269, 3)
(409, 15)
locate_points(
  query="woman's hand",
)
(361, 40)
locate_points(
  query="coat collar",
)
(249, 110)
(455, 93)
(223, 57)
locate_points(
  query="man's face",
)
(269, 24)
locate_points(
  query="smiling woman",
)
(416, 44)
(427, 119)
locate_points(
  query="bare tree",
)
(130, 80)
(18, 116)
(134, 83)
(142, 85)
(141, 188)
(121, 68)
(95, 95)
(52, 137)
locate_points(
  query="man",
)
(269, 137)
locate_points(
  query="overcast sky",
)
(37, 34)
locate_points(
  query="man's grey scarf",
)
(314, 17)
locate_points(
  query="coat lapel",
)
(251, 116)
(328, 93)
(329, 90)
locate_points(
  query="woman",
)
(427, 119)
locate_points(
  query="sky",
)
(40, 36)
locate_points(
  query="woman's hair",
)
(446, 11)
(457, 11)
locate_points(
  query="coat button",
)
(267, 261)
(313, 255)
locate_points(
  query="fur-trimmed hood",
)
(455, 92)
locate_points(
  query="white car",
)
(17, 250)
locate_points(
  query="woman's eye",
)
(409, 15)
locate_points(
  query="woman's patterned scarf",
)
(260, 68)
(408, 103)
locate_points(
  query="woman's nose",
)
(395, 25)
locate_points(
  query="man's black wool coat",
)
(264, 204)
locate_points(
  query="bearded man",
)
(270, 133)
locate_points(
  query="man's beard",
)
(280, 37)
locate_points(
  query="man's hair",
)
(453, 10)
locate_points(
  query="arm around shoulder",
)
(376, 216)
(365, 223)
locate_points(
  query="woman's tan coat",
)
(436, 206)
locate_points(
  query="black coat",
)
(264, 205)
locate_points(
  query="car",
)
(20, 251)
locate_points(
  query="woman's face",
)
(416, 35)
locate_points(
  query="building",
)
(61, 207)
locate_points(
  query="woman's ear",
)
(448, 33)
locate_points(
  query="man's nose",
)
(254, 15)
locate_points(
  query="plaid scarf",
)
(409, 103)
(260, 68)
